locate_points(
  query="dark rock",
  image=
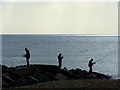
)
(21, 81)
(22, 71)
(21, 66)
(7, 78)
(34, 69)
(16, 77)
(32, 80)
(102, 76)
(54, 67)
(77, 76)
(4, 83)
(65, 68)
(23, 75)
(67, 73)
(50, 75)
(60, 76)
(91, 76)
(4, 67)
(79, 73)
(41, 77)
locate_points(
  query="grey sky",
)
(60, 18)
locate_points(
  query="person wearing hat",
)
(60, 57)
(91, 63)
(27, 56)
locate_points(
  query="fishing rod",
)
(101, 58)
(98, 60)
(104, 57)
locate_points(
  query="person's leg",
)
(90, 70)
(59, 63)
(27, 62)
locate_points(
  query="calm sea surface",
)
(77, 51)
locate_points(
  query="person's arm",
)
(24, 55)
(94, 62)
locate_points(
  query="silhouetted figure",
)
(90, 65)
(27, 56)
(60, 57)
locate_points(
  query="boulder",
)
(32, 80)
(21, 81)
(4, 67)
(76, 76)
(102, 76)
(4, 83)
(22, 75)
(34, 69)
(41, 77)
(67, 73)
(23, 71)
(91, 76)
(48, 68)
(49, 75)
(7, 78)
(60, 76)
(7, 81)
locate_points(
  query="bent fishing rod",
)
(104, 57)
(101, 58)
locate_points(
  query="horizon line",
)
(61, 34)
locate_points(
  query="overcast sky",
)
(60, 18)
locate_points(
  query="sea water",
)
(77, 50)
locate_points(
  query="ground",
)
(89, 83)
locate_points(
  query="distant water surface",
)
(77, 51)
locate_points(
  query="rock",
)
(77, 76)
(49, 75)
(22, 75)
(21, 81)
(18, 77)
(4, 83)
(95, 75)
(7, 78)
(32, 80)
(102, 76)
(41, 77)
(34, 69)
(21, 66)
(60, 76)
(67, 73)
(91, 76)
(79, 72)
(22, 71)
(65, 68)
(54, 67)
(4, 67)
(48, 68)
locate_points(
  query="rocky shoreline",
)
(22, 75)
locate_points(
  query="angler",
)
(90, 64)
(27, 56)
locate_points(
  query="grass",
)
(89, 83)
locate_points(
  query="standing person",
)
(60, 57)
(90, 65)
(27, 56)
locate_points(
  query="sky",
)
(60, 18)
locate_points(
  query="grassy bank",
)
(89, 83)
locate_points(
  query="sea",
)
(76, 49)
